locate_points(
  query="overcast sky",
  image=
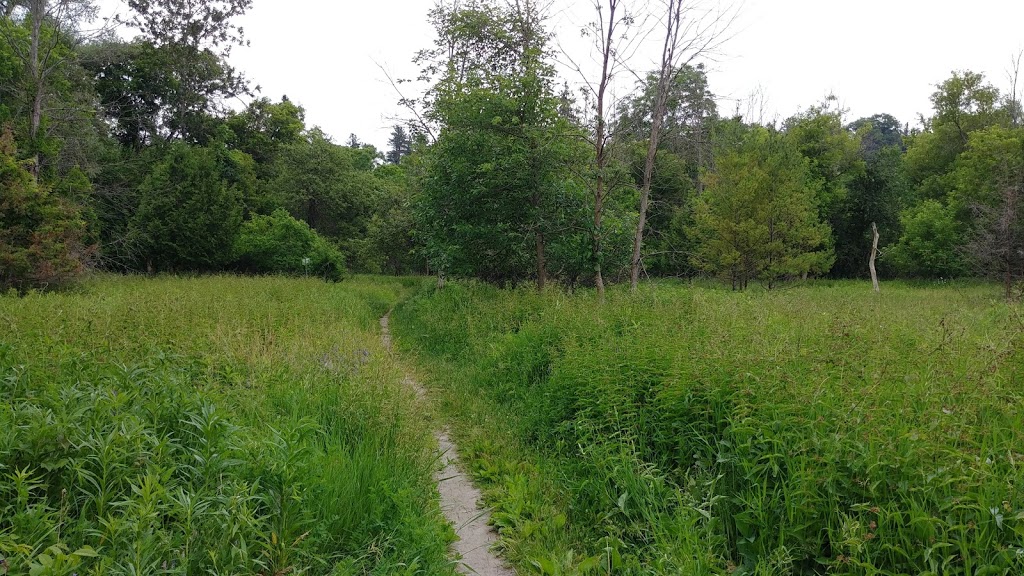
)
(875, 55)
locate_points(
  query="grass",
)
(215, 425)
(689, 430)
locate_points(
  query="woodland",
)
(133, 156)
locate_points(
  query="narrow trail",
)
(459, 497)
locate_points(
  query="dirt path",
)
(459, 498)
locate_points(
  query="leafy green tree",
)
(877, 133)
(835, 161)
(328, 186)
(931, 242)
(490, 204)
(392, 235)
(280, 244)
(42, 236)
(189, 211)
(758, 219)
(191, 42)
(691, 114)
(399, 145)
(877, 194)
(962, 104)
(264, 127)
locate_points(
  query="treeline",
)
(125, 155)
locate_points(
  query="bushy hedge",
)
(280, 244)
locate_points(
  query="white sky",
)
(875, 55)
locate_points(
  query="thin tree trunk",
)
(874, 255)
(542, 271)
(665, 77)
(600, 135)
(38, 12)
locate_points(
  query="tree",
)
(42, 236)
(189, 211)
(192, 40)
(47, 54)
(877, 133)
(330, 187)
(399, 145)
(990, 176)
(687, 37)
(757, 218)
(280, 244)
(613, 47)
(877, 195)
(264, 127)
(502, 154)
(931, 242)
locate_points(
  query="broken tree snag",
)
(874, 254)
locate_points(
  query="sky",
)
(875, 56)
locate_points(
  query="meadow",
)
(215, 425)
(818, 429)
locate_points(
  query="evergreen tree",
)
(757, 218)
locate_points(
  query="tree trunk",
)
(874, 255)
(600, 135)
(665, 76)
(37, 13)
(542, 271)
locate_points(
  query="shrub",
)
(41, 236)
(931, 242)
(280, 244)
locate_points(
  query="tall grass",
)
(215, 425)
(815, 430)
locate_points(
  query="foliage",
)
(43, 241)
(280, 244)
(784, 432)
(328, 186)
(757, 219)
(498, 199)
(189, 211)
(223, 426)
(990, 185)
(931, 241)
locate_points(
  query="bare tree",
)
(874, 256)
(997, 246)
(1013, 75)
(690, 32)
(614, 46)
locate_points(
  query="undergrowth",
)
(211, 426)
(688, 430)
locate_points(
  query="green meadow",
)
(820, 429)
(212, 426)
(225, 425)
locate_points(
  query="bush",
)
(931, 243)
(280, 244)
(41, 236)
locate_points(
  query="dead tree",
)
(613, 47)
(997, 246)
(690, 33)
(874, 255)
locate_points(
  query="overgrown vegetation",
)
(688, 430)
(217, 426)
(502, 171)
